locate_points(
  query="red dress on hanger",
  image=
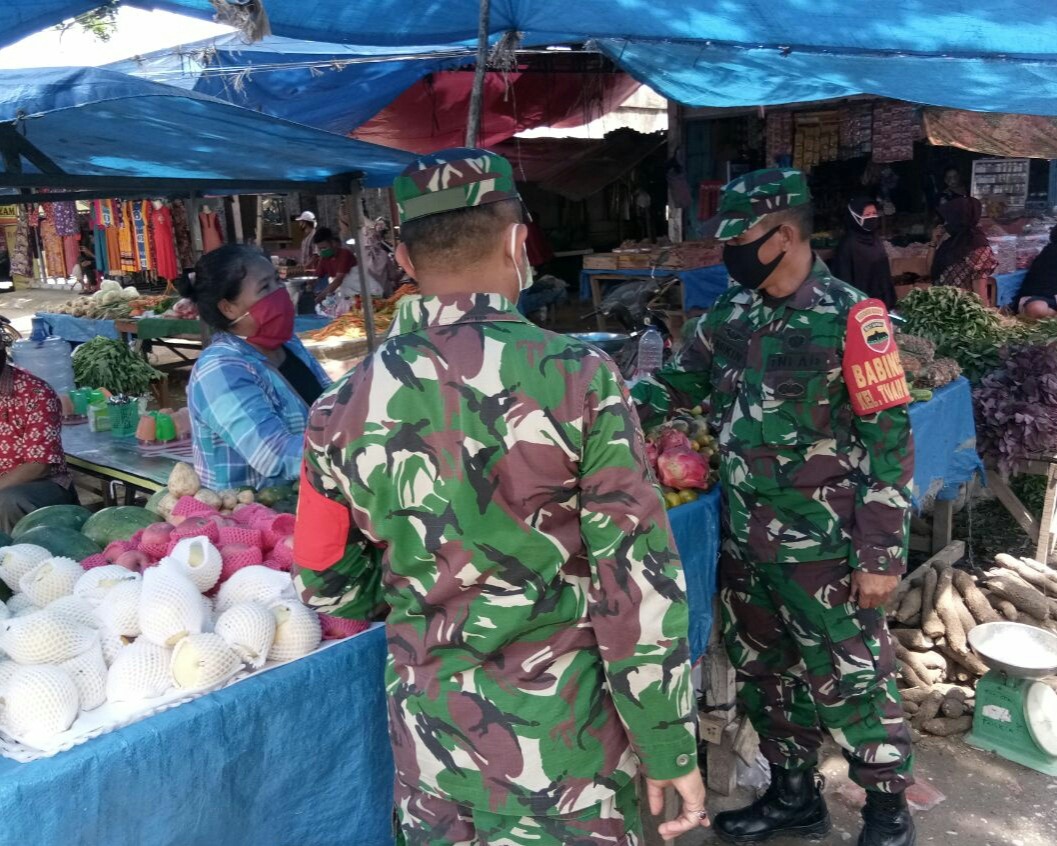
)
(211, 234)
(164, 243)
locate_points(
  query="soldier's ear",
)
(403, 258)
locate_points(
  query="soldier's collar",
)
(419, 312)
(808, 295)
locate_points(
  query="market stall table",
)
(296, 755)
(100, 455)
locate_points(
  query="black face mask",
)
(871, 224)
(744, 265)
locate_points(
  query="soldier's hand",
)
(691, 790)
(871, 590)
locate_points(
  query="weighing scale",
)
(1016, 715)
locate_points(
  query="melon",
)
(54, 516)
(118, 523)
(65, 543)
(155, 498)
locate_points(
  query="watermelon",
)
(59, 540)
(57, 516)
(118, 523)
(155, 498)
(5, 540)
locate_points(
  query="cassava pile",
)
(931, 616)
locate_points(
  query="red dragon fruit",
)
(673, 441)
(683, 470)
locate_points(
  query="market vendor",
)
(306, 224)
(965, 258)
(251, 388)
(1037, 298)
(486, 481)
(809, 401)
(861, 259)
(335, 266)
(33, 471)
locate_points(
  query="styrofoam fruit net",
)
(118, 611)
(201, 661)
(335, 628)
(140, 671)
(18, 559)
(112, 644)
(246, 515)
(51, 579)
(188, 506)
(7, 669)
(95, 583)
(43, 638)
(194, 527)
(245, 535)
(297, 630)
(115, 549)
(88, 671)
(137, 537)
(39, 702)
(249, 629)
(275, 528)
(20, 605)
(5, 612)
(283, 553)
(170, 606)
(93, 561)
(74, 608)
(199, 560)
(253, 584)
(235, 557)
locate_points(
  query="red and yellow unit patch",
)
(872, 369)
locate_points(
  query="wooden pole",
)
(473, 120)
(356, 218)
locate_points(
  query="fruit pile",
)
(119, 606)
(684, 456)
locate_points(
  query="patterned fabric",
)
(182, 233)
(486, 480)
(165, 249)
(64, 215)
(750, 198)
(129, 262)
(976, 266)
(22, 257)
(140, 217)
(30, 424)
(459, 178)
(247, 422)
(804, 479)
(426, 820)
(807, 659)
(54, 249)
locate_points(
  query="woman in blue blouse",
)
(251, 388)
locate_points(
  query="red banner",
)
(872, 368)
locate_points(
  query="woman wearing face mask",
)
(965, 258)
(251, 389)
(860, 259)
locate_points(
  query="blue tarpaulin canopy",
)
(97, 123)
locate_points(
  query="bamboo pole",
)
(356, 218)
(473, 120)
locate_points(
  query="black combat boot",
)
(792, 806)
(886, 821)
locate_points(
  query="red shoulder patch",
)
(872, 369)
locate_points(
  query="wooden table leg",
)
(596, 300)
(942, 524)
(1046, 529)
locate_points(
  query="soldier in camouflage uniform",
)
(816, 516)
(485, 480)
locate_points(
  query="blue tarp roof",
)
(96, 122)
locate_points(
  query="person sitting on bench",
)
(1037, 298)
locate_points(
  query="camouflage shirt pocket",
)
(796, 408)
(860, 650)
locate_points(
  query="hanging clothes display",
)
(127, 240)
(54, 249)
(22, 257)
(64, 216)
(71, 247)
(140, 217)
(165, 244)
(212, 237)
(185, 255)
(102, 251)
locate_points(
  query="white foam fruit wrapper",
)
(39, 702)
(5, 612)
(50, 580)
(140, 671)
(255, 583)
(89, 673)
(201, 661)
(249, 629)
(74, 609)
(118, 610)
(170, 607)
(18, 559)
(297, 630)
(197, 559)
(19, 605)
(95, 583)
(43, 638)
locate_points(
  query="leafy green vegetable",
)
(110, 364)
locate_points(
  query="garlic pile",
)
(72, 639)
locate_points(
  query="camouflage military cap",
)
(747, 199)
(459, 178)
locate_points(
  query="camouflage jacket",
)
(485, 479)
(804, 478)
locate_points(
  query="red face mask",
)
(274, 316)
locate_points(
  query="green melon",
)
(56, 516)
(155, 498)
(118, 523)
(61, 541)
(5, 540)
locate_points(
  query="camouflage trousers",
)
(807, 659)
(427, 820)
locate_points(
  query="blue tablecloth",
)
(1008, 286)
(695, 527)
(77, 330)
(299, 755)
(945, 454)
(701, 285)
